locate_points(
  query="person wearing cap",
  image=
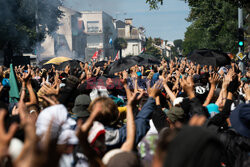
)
(175, 117)
(213, 109)
(80, 109)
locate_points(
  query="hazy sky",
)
(168, 22)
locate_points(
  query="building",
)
(68, 41)
(101, 32)
(80, 35)
(135, 37)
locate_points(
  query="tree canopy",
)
(18, 22)
(151, 49)
(214, 26)
(154, 4)
(177, 48)
(120, 43)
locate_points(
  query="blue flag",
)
(110, 41)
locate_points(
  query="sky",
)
(168, 22)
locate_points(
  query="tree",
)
(177, 48)
(18, 24)
(178, 43)
(158, 41)
(154, 4)
(214, 26)
(119, 44)
(151, 49)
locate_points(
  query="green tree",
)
(18, 24)
(157, 41)
(177, 48)
(178, 43)
(154, 4)
(119, 44)
(151, 49)
(214, 26)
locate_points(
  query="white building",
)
(101, 32)
(134, 36)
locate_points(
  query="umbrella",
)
(73, 64)
(123, 64)
(148, 60)
(148, 56)
(58, 60)
(100, 63)
(209, 57)
(49, 66)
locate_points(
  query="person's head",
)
(109, 114)
(118, 157)
(166, 135)
(240, 119)
(194, 147)
(176, 117)
(80, 109)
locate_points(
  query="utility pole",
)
(241, 39)
(240, 26)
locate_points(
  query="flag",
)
(97, 53)
(110, 41)
(143, 50)
(13, 92)
(95, 56)
(116, 57)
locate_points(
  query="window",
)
(94, 40)
(93, 26)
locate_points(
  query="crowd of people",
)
(176, 114)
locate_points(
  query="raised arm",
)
(213, 79)
(169, 91)
(128, 145)
(33, 99)
(82, 134)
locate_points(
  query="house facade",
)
(135, 37)
(101, 32)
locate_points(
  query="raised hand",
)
(135, 98)
(246, 90)
(49, 90)
(155, 90)
(124, 75)
(188, 86)
(5, 137)
(33, 154)
(214, 79)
